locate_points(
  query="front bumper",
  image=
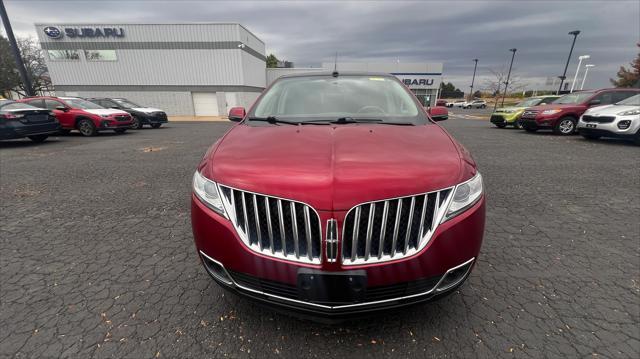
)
(610, 129)
(153, 119)
(16, 129)
(107, 125)
(538, 123)
(388, 284)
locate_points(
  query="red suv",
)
(562, 114)
(337, 194)
(75, 113)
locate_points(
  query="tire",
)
(38, 138)
(64, 132)
(120, 130)
(156, 125)
(636, 139)
(136, 125)
(565, 126)
(590, 136)
(500, 125)
(86, 127)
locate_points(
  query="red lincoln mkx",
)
(337, 194)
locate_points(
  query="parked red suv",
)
(562, 114)
(75, 113)
(337, 194)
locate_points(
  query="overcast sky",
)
(452, 32)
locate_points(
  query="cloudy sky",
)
(452, 32)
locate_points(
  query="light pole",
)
(506, 84)
(575, 34)
(586, 71)
(473, 78)
(26, 81)
(575, 78)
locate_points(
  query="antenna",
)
(335, 66)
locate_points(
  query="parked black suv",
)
(18, 120)
(141, 115)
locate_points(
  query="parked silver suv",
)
(621, 120)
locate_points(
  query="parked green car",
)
(510, 116)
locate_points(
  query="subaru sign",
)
(420, 80)
(53, 32)
(94, 32)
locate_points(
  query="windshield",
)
(126, 103)
(631, 101)
(318, 98)
(82, 104)
(578, 97)
(529, 102)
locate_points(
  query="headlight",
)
(629, 113)
(207, 192)
(465, 195)
(550, 112)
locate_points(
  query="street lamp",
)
(586, 71)
(506, 84)
(473, 78)
(564, 74)
(575, 78)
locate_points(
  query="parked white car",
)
(457, 103)
(475, 104)
(621, 120)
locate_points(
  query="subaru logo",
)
(52, 32)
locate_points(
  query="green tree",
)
(448, 90)
(272, 61)
(629, 77)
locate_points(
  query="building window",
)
(100, 55)
(63, 55)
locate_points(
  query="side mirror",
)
(438, 113)
(115, 107)
(594, 102)
(236, 114)
(62, 108)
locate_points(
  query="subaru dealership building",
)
(194, 69)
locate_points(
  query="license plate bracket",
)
(331, 287)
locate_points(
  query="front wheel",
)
(136, 124)
(565, 126)
(120, 130)
(156, 125)
(38, 138)
(86, 127)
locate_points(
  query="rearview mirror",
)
(236, 114)
(115, 107)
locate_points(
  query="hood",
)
(105, 111)
(609, 110)
(146, 109)
(560, 106)
(512, 109)
(336, 167)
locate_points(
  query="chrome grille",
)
(391, 229)
(273, 226)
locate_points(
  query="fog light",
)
(454, 276)
(106, 123)
(215, 269)
(624, 124)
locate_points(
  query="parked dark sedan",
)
(141, 115)
(19, 120)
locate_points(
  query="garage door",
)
(205, 103)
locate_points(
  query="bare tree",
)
(33, 58)
(496, 83)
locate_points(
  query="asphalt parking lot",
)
(97, 257)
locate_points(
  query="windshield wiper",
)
(273, 120)
(356, 120)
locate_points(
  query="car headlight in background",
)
(207, 191)
(465, 195)
(551, 112)
(629, 112)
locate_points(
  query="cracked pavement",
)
(97, 258)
